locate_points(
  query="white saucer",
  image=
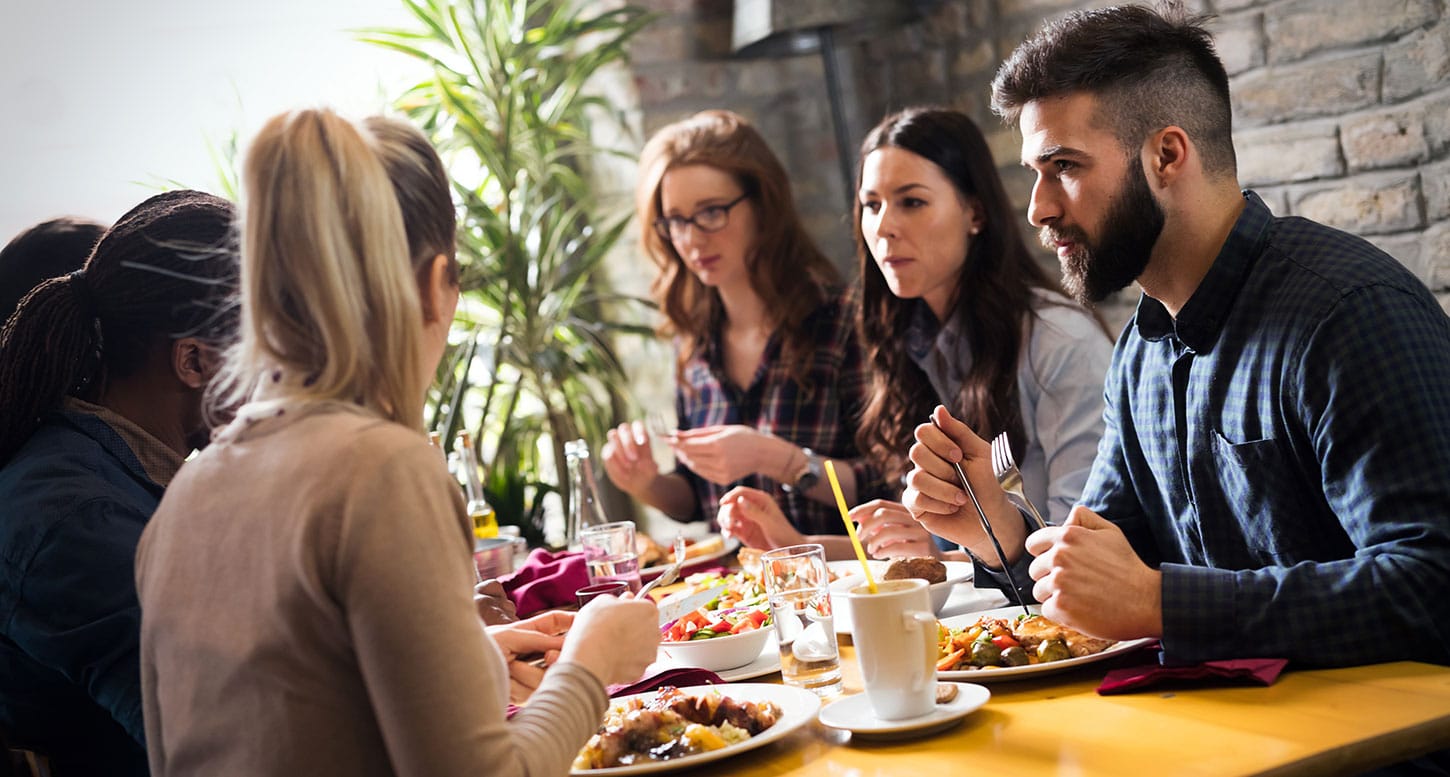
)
(853, 713)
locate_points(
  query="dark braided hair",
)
(166, 270)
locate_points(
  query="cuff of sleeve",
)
(984, 576)
(1197, 603)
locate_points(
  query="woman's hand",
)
(725, 454)
(628, 459)
(541, 634)
(615, 639)
(753, 517)
(887, 530)
(493, 603)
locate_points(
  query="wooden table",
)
(1336, 721)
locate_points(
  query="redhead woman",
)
(956, 312)
(306, 584)
(769, 375)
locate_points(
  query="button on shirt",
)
(821, 416)
(1282, 451)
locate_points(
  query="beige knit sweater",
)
(306, 596)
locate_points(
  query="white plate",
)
(767, 662)
(994, 673)
(797, 708)
(731, 545)
(854, 714)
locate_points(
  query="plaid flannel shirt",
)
(1281, 451)
(821, 416)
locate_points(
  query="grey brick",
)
(1408, 249)
(1302, 27)
(1292, 152)
(1369, 204)
(1435, 182)
(1233, 5)
(1386, 138)
(1436, 256)
(1277, 198)
(1437, 121)
(1418, 63)
(1239, 41)
(664, 83)
(974, 57)
(1327, 86)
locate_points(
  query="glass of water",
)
(610, 553)
(798, 584)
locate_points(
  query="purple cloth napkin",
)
(678, 677)
(1257, 671)
(546, 580)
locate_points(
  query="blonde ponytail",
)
(330, 290)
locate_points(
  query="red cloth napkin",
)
(1258, 671)
(677, 677)
(546, 580)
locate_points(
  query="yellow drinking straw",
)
(850, 527)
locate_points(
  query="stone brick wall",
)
(1342, 109)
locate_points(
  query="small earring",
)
(976, 230)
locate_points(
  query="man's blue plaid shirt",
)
(1282, 452)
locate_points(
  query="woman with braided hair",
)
(101, 379)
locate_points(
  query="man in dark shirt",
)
(101, 376)
(1274, 478)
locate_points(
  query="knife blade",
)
(675, 607)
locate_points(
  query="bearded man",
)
(1274, 477)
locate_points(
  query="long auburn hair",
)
(786, 269)
(991, 303)
(340, 223)
(166, 270)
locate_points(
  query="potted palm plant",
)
(532, 364)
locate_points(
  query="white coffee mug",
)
(895, 635)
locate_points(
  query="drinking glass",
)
(610, 553)
(798, 584)
(589, 593)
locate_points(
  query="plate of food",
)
(655, 558)
(767, 662)
(682, 728)
(1005, 644)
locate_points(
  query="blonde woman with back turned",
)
(306, 584)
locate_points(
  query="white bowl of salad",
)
(717, 639)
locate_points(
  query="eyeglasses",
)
(708, 219)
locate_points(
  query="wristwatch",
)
(809, 475)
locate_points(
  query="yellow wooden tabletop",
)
(1309, 722)
(1336, 721)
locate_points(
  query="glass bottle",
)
(585, 509)
(485, 524)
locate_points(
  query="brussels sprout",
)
(984, 653)
(1052, 650)
(1014, 656)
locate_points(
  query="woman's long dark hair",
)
(992, 301)
(166, 270)
(787, 270)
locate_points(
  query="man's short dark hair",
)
(1149, 70)
(46, 250)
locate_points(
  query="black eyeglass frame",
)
(664, 226)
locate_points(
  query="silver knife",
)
(672, 608)
(987, 527)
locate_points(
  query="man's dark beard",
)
(1134, 221)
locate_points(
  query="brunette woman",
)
(955, 311)
(769, 375)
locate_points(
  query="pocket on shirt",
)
(1259, 492)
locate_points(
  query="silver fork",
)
(1010, 478)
